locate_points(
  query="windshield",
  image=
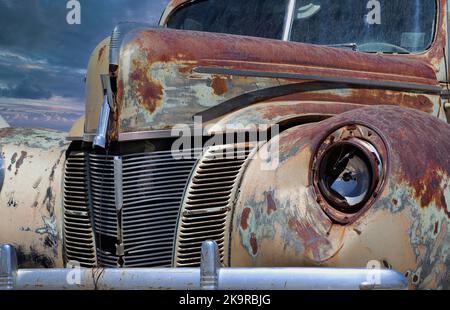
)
(391, 26)
(257, 18)
(398, 26)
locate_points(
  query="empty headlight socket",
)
(371, 144)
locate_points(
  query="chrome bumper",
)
(208, 277)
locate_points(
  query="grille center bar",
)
(118, 192)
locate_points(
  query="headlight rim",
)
(373, 146)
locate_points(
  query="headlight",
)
(348, 172)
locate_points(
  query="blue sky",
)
(43, 59)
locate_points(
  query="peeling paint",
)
(30, 201)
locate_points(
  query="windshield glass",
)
(398, 26)
(257, 18)
(391, 26)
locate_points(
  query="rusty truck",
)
(349, 189)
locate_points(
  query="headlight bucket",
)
(348, 172)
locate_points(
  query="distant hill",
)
(3, 123)
(58, 115)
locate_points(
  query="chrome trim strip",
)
(144, 135)
(103, 120)
(118, 186)
(118, 36)
(289, 20)
(162, 134)
(298, 76)
(118, 194)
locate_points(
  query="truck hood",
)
(166, 77)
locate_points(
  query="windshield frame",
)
(289, 21)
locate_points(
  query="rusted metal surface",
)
(406, 227)
(300, 107)
(30, 200)
(162, 63)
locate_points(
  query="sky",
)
(43, 59)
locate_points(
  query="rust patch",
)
(148, 91)
(311, 240)
(425, 167)
(366, 97)
(101, 53)
(428, 187)
(244, 218)
(254, 244)
(436, 228)
(271, 206)
(219, 86)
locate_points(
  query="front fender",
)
(278, 220)
(30, 199)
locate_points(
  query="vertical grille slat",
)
(209, 199)
(78, 233)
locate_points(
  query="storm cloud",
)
(42, 57)
(27, 88)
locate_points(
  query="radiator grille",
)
(78, 234)
(205, 213)
(152, 191)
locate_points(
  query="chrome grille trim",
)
(79, 242)
(208, 201)
(152, 187)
